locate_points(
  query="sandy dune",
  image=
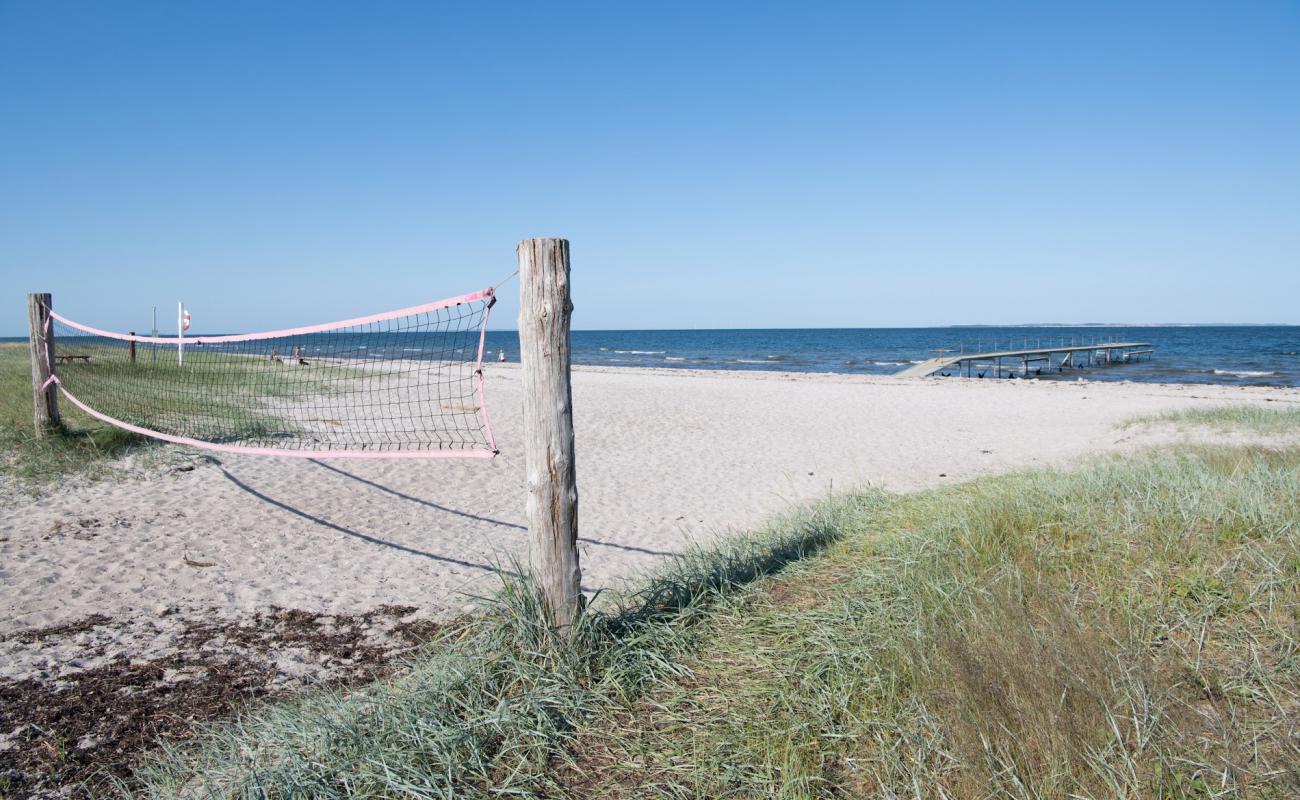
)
(664, 457)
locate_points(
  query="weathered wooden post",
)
(131, 347)
(544, 312)
(45, 398)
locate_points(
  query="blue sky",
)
(713, 164)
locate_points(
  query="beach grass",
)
(83, 445)
(1239, 417)
(214, 396)
(1129, 629)
(491, 700)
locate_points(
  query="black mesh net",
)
(407, 383)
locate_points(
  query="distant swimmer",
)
(501, 356)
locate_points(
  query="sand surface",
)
(664, 458)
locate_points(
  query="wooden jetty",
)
(1030, 361)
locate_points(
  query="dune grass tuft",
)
(1131, 629)
(1240, 417)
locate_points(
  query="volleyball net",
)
(402, 384)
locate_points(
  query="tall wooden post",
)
(544, 312)
(45, 398)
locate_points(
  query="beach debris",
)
(37, 635)
(83, 528)
(186, 673)
(90, 723)
(460, 408)
(191, 562)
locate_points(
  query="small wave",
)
(892, 363)
(639, 352)
(752, 361)
(917, 361)
(776, 358)
(1244, 373)
(673, 358)
(412, 349)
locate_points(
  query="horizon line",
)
(892, 327)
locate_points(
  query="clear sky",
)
(713, 164)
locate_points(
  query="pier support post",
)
(45, 398)
(545, 309)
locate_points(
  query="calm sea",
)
(1239, 355)
(1235, 355)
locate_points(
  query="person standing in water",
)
(501, 356)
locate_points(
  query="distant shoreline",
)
(1199, 354)
(953, 326)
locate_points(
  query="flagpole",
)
(180, 333)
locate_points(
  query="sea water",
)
(1234, 355)
(1243, 355)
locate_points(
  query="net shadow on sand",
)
(413, 499)
(365, 537)
(467, 515)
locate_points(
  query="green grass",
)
(84, 445)
(214, 396)
(1249, 418)
(1131, 629)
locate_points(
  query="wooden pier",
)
(1030, 361)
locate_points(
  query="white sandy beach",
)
(664, 458)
